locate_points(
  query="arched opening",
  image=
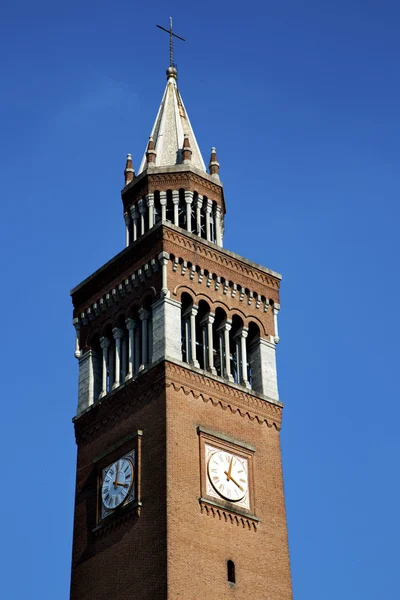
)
(157, 208)
(170, 207)
(202, 334)
(187, 304)
(219, 342)
(252, 353)
(231, 571)
(182, 209)
(236, 353)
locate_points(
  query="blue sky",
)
(302, 102)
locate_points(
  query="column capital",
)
(127, 218)
(118, 333)
(217, 210)
(163, 257)
(163, 198)
(105, 343)
(188, 196)
(76, 323)
(209, 206)
(208, 319)
(243, 332)
(143, 314)
(276, 308)
(225, 326)
(194, 309)
(175, 196)
(141, 206)
(150, 199)
(130, 324)
(133, 212)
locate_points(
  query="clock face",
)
(117, 483)
(228, 475)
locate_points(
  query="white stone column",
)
(150, 207)
(189, 201)
(134, 215)
(131, 325)
(144, 316)
(124, 361)
(243, 351)
(118, 335)
(208, 208)
(226, 329)
(105, 344)
(175, 200)
(136, 363)
(127, 223)
(218, 227)
(193, 313)
(199, 206)
(263, 368)
(210, 318)
(163, 202)
(166, 328)
(186, 324)
(77, 325)
(142, 211)
(163, 257)
(275, 311)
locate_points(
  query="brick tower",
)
(179, 491)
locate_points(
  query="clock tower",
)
(179, 490)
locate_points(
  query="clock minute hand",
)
(228, 474)
(234, 480)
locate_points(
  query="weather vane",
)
(171, 41)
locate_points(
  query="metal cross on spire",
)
(171, 41)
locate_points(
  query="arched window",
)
(231, 571)
(187, 304)
(252, 353)
(157, 208)
(170, 207)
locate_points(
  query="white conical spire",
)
(171, 125)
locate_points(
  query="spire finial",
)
(129, 170)
(171, 42)
(214, 164)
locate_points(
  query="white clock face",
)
(117, 483)
(228, 475)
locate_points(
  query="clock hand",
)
(122, 484)
(234, 480)
(228, 474)
(116, 476)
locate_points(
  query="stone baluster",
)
(227, 326)
(208, 209)
(175, 200)
(193, 315)
(127, 224)
(210, 318)
(118, 335)
(134, 215)
(77, 325)
(144, 317)
(131, 325)
(189, 201)
(243, 337)
(150, 208)
(199, 206)
(105, 344)
(218, 225)
(142, 211)
(275, 312)
(163, 203)
(163, 257)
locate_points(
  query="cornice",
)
(210, 509)
(229, 260)
(222, 395)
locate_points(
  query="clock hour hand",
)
(121, 484)
(228, 474)
(234, 480)
(116, 476)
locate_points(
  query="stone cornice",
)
(235, 263)
(223, 395)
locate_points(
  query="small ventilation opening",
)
(231, 571)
